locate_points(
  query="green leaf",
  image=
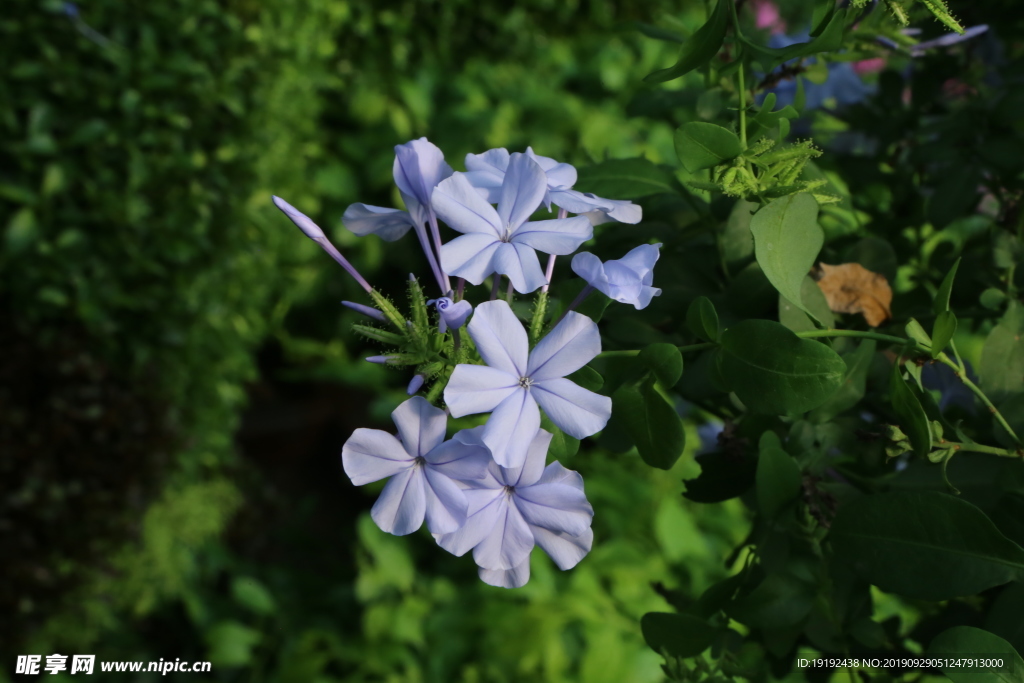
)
(665, 361)
(774, 371)
(969, 642)
(778, 477)
(992, 298)
(787, 240)
(651, 422)
(589, 378)
(780, 600)
(926, 545)
(914, 330)
(231, 644)
(252, 595)
(798, 321)
(702, 319)
(1002, 358)
(941, 304)
(942, 332)
(829, 40)
(678, 635)
(911, 414)
(852, 391)
(626, 179)
(700, 48)
(718, 595)
(722, 476)
(702, 145)
(1004, 617)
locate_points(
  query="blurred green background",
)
(177, 375)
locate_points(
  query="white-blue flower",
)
(627, 279)
(515, 380)
(486, 172)
(503, 241)
(423, 468)
(451, 314)
(419, 166)
(513, 509)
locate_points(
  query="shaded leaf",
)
(787, 240)
(970, 642)
(651, 422)
(626, 179)
(678, 635)
(774, 371)
(912, 417)
(702, 145)
(778, 477)
(702, 319)
(926, 545)
(700, 48)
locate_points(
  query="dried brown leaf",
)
(852, 288)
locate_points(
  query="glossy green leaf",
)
(926, 545)
(700, 48)
(1002, 358)
(1004, 618)
(678, 635)
(969, 642)
(651, 422)
(778, 476)
(665, 361)
(829, 40)
(780, 600)
(626, 179)
(702, 319)
(942, 332)
(787, 240)
(702, 145)
(941, 303)
(854, 383)
(588, 378)
(913, 420)
(774, 371)
(795, 319)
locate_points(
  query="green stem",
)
(743, 104)
(979, 448)
(539, 310)
(813, 334)
(976, 390)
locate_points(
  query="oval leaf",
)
(626, 179)
(969, 642)
(913, 420)
(925, 545)
(678, 635)
(778, 477)
(787, 239)
(651, 422)
(702, 145)
(702, 319)
(665, 361)
(700, 48)
(774, 371)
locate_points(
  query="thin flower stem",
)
(421, 233)
(976, 390)
(979, 448)
(495, 286)
(457, 339)
(813, 334)
(549, 271)
(460, 288)
(343, 262)
(508, 293)
(437, 245)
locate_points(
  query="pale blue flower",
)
(419, 166)
(486, 172)
(503, 241)
(451, 314)
(627, 280)
(423, 468)
(515, 380)
(513, 509)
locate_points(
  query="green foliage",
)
(787, 240)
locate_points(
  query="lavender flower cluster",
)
(488, 489)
